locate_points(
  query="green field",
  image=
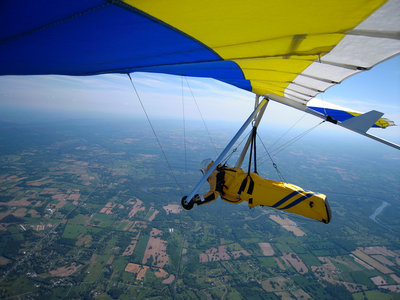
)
(118, 163)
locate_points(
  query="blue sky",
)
(162, 95)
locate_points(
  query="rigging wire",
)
(201, 115)
(273, 162)
(287, 131)
(295, 139)
(154, 132)
(184, 126)
(236, 148)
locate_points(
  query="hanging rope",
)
(293, 140)
(287, 131)
(201, 115)
(273, 162)
(184, 127)
(253, 149)
(236, 148)
(154, 132)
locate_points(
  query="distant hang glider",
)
(287, 50)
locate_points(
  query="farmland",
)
(94, 211)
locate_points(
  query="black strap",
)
(251, 186)
(253, 148)
(243, 186)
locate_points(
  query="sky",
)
(167, 96)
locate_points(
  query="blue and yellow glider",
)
(287, 50)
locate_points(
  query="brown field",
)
(4, 261)
(278, 262)
(359, 261)
(372, 262)
(239, 253)
(3, 215)
(161, 273)
(137, 269)
(378, 250)
(392, 288)
(395, 278)
(287, 224)
(142, 273)
(22, 202)
(74, 197)
(172, 208)
(156, 248)
(65, 271)
(137, 206)
(107, 209)
(49, 191)
(39, 182)
(284, 295)
(215, 254)
(274, 284)
(383, 260)
(155, 232)
(132, 268)
(129, 250)
(378, 280)
(266, 249)
(169, 280)
(295, 261)
(20, 212)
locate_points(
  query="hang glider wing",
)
(291, 49)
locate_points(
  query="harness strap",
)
(243, 186)
(251, 186)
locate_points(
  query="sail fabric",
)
(291, 48)
(344, 115)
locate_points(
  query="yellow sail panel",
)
(254, 29)
(260, 87)
(227, 22)
(293, 65)
(278, 70)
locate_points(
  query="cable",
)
(295, 139)
(273, 163)
(236, 148)
(287, 131)
(201, 115)
(184, 127)
(155, 135)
